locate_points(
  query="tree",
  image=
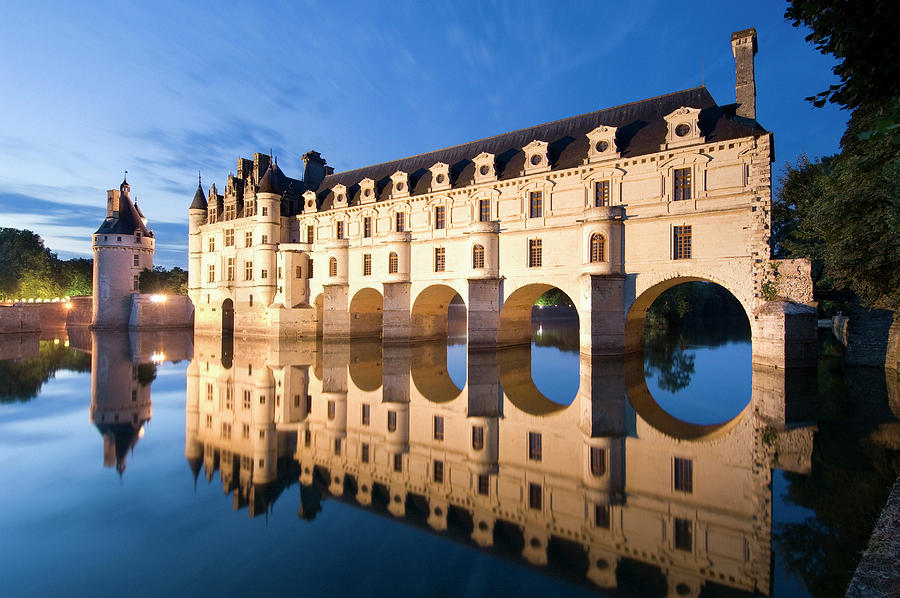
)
(160, 280)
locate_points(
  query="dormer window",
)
(340, 196)
(601, 144)
(683, 127)
(366, 191)
(137, 236)
(536, 159)
(485, 169)
(309, 202)
(440, 176)
(399, 184)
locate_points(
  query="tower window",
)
(478, 256)
(438, 427)
(683, 475)
(248, 270)
(367, 227)
(364, 452)
(684, 535)
(339, 230)
(398, 461)
(211, 273)
(438, 473)
(601, 193)
(439, 259)
(137, 260)
(534, 253)
(331, 409)
(366, 415)
(392, 421)
(439, 217)
(598, 461)
(535, 496)
(298, 272)
(598, 248)
(534, 446)
(310, 234)
(367, 264)
(263, 273)
(682, 242)
(484, 210)
(477, 438)
(536, 204)
(682, 183)
(332, 267)
(392, 263)
(265, 211)
(484, 484)
(601, 516)
(265, 239)
(400, 222)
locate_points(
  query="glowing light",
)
(141, 432)
(56, 341)
(67, 305)
(158, 357)
(158, 298)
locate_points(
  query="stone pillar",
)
(784, 335)
(395, 315)
(602, 314)
(602, 566)
(483, 319)
(335, 311)
(536, 540)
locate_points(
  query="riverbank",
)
(878, 573)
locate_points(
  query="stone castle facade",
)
(612, 207)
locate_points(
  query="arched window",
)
(598, 248)
(392, 263)
(478, 256)
(332, 267)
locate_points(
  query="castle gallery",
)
(612, 207)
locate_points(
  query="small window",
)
(439, 217)
(307, 438)
(263, 273)
(601, 194)
(332, 267)
(331, 409)
(251, 300)
(398, 461)
(478, 256)
(262, 399)
(534, 446)
(308, 404)
(598, 248)
(366, 415)
(683, 475)
(248, 270)
(439, 261)
(310, 270)
(265, 239)
(535, 496)
(438, 428)
(682, 184)
(484, 481)
(601, 516)
(229, 237)
(534, 253)
(137, 236)
(438, 472)
(265, 211)
(310, 234)
(211, 273)
(536, 202)
(298, 272)
(367, 264)
(246, 399)
(229, 269)
(392, 421)
(392, 263)
(484, 210)
(339, 230)
(477, 438)
(337, 447)
(212, 244)
(682, 242)
(684, 536)
(598, 461)
(248, 239)
(400, 222)
(367, 227)
(137, 260)
(364, 452)
(245, 431)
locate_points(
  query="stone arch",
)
(597, 248)
(646, 294)
(514, 365)
(430, 312)
(430, 373)
(366, 311)
(515, 314)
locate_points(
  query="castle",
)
(611, 207)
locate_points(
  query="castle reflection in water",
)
(605, 483)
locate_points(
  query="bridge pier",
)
(336, 311)
(602, 314)
(396, 312)
(784, 335)
(483, 317)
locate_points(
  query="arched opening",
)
(393, 262)
(228, 317)
(697, 353)
(518, 384)
(437, 311)
(366, 366)
(332, 267)
(366, 313)
(598, 248)
(539, 313)
(431, 372)
(478, 256)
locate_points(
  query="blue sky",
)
(166, 89)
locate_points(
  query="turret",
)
(314, 169)
(196, 218)
(268, 230)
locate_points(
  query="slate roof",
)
(127, 223)
(199, 202)
(641, 130)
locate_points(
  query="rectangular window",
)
(536, 202)
(392, 421)
(265, 239)
(535, 496)
(298, 271)
(251, 300)
(683, 475)
(265, 211)
(364, 452)
(438, 427)
(226, 430)
(398, 461)
(262, 399)
(245, 431)
(208, 421)
(439, 217)
(682, 242)
(484, 210)
(280, 274)
(601, 516)
(248, 270)
(598, 461)
(534, 253)
(400, 220)
(367, 264)
(484, 484)
(310, 234)
(339, 230)
(477, 438)
(136, 283)
(366, 415)
(682, 183)
(209, 392)
(263, 273)
(601, 193)
(367, 227)
(212, 244)
(229, 237)
(229, 270)
(308, 404)
(296, 400)
(331, 409)
(310, 271)
(246, 399)
(137, 260)
(211, 273)
(684, 539)
(229, 398)
(248, 239)
(337, 446)
(307, 438)
(534, 446)
(439, 254)
(438, 472)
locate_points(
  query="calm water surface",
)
(159, 464)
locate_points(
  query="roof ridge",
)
(485, 139)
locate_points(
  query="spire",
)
(199, 202)
(125, 188)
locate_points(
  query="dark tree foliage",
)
(160, 280)
(29, 269)
(21, 380)
(862, 36)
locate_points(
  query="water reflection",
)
(595, 489)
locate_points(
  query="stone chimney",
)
(743, 46)
(314, 169)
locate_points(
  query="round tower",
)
(268, 232)
(123, 246)
(197, 214)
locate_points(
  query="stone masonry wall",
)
(873, 338)
(175, 312)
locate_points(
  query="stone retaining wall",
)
(873, 338)
(878, 573)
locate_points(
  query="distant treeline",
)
(160, 280)
(29, 269)
(692, 299)
(21, 380)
